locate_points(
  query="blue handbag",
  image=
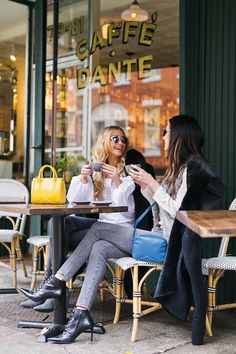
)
(148, 247)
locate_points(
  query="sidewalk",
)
(158, 332)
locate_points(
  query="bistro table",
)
(209, 224)
(57, 212)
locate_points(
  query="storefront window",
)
(73, 24)
(71, 105)
(13, 29)
(140, 107)
(69, 117)
(114, 70)
(134, 76)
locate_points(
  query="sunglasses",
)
(164, 131)
(115, 139)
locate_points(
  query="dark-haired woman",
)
(189, 183)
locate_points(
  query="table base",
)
(8, 291)
(53, 329)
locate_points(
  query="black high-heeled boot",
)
(79, 322)
(47, 306)
(50, 288)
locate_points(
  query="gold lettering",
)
(98, 75)
(146, 33)
(83, 77)
(84, 54)
(61, 29)
(143, 66)
(115, 71)
(128, 63)
(113, 32)
(97, 42)
(129, 30)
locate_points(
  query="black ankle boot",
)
(79, 322)
(198, 330)
(50, 288)
(47, 306)
(29, 304)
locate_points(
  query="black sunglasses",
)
(164, 131)
(115, 139)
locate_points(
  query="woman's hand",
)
(142, 178)
(86, 171)
(111, 172)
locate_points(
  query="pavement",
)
(158, 332)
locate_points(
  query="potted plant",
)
(69, 165)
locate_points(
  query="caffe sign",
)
(143, 31)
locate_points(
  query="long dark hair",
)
(186, 141)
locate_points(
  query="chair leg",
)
(136, 304)
(35, 267)
(208, 327)
(211, 297)
(102, 293)
(119, 291)
(213, 278)
(69, 284)
(45, 257)
(20, 257)
(13, 263)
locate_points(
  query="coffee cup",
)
(96, 166)
(127, 167)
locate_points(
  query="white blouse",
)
(167, 203)
(121, 195)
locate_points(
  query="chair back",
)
(12, 191)
(225, 239)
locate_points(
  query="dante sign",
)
(144, 33)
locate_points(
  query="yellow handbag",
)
(48, 190)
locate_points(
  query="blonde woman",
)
(109, 183)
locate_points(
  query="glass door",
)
(71, 115)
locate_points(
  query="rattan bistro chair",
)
(40, 246)
(121, 265)
(13, 191)
(216, 267)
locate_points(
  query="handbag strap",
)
(137, 221)
(54, 173)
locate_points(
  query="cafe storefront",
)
(99, 70)
(82, 65)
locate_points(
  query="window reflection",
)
(140, 107)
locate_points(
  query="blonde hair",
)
(100, 153)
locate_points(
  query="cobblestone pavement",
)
(158, 332)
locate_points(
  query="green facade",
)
(208, 84)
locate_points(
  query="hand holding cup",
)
(139, 175)
(85, 172)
